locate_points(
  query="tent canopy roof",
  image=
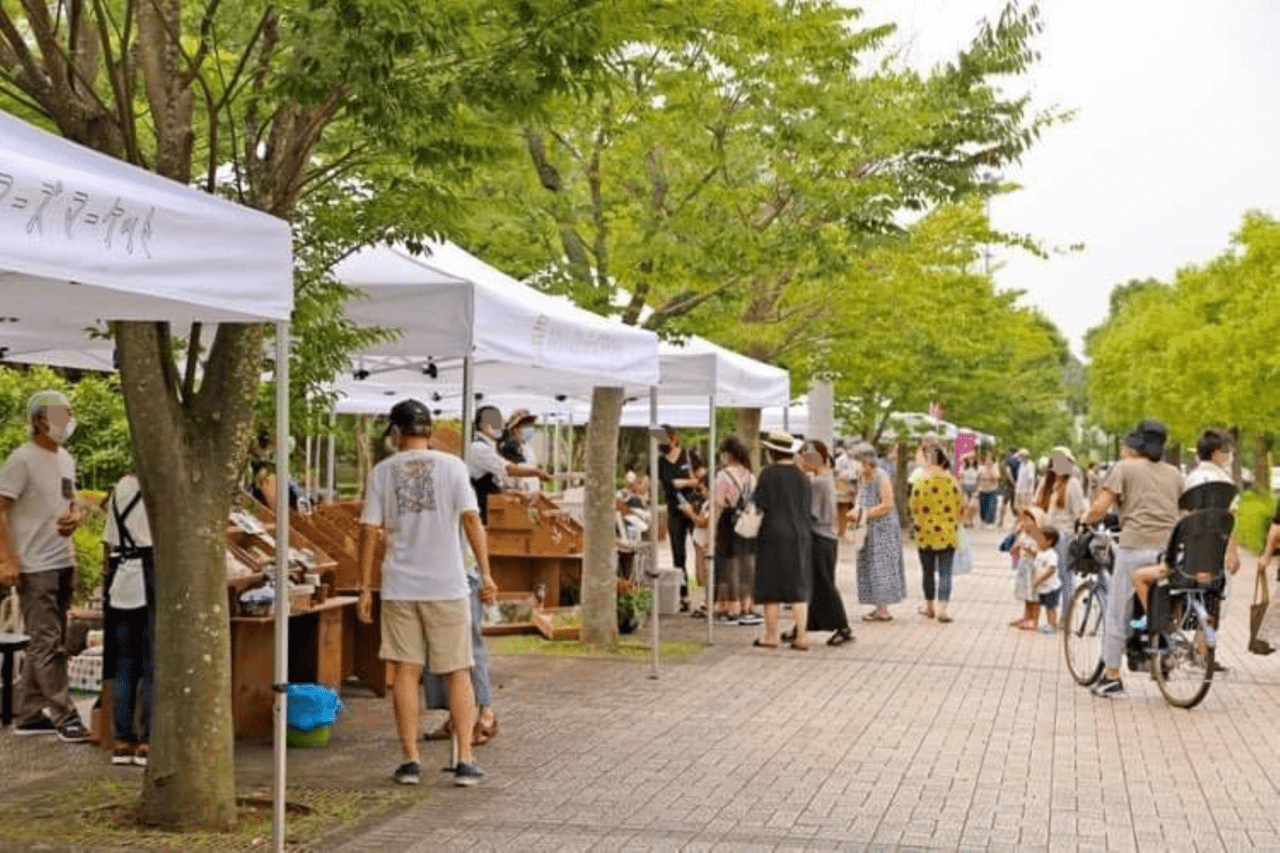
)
(86, 239)
(448, 304)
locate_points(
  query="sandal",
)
(800, 647)
(839, 638)
(925, 610)
(944, 617)
(483, 734)
(444, 732)
(699, 613)
(760, 644)
(875, 617)
(787, 636)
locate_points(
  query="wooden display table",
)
(315, 655)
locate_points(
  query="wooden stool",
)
(10, 644)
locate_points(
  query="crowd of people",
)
(431, 507)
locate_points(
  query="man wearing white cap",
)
(38, 514)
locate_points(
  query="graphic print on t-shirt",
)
(415, 487)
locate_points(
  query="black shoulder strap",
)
(126, 538)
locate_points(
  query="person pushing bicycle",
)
(1144, 490)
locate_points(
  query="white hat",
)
(780, 441)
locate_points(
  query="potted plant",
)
(634, 602)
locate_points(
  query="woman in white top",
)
(1062, 499)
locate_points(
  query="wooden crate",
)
(545, 621)
(502, 629)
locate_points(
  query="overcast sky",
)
(1177, 135)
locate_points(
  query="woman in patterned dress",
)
(936, 509)
(882, 578)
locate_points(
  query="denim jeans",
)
(939, 561)
(436, 689)
(133, 666)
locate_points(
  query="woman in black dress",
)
(826, 608)
(784, 550)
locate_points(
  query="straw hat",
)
(1037, 515)
(521, 416)
(780, 441)
(1061, 461)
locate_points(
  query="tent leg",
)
(653, 527)
(468, 406)
(711, 529)
(281, 670)
(330, 480)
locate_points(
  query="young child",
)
(1024, 551)
(1048, 585)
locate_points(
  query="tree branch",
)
(193, 360)
(206, 37)
(685, 303)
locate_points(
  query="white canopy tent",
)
(453, 308)
(86, 239)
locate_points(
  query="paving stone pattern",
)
(918, 736)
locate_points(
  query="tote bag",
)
(1260, 627)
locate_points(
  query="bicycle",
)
(1091, 557)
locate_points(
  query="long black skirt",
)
(826, 609)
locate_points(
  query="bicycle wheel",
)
(1082, 633)
(1182, 663)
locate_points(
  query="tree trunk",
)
(900, 496)
(749, 432)
(364, 454)
(1262, 465)
(599, 575)
(189, 447)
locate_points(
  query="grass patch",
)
(103, 814)
(676, 651)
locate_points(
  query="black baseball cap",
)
(410, 416)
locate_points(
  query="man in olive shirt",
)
(1145, 491)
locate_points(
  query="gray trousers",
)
(46, 598)
(437, 690)
(1115, 631)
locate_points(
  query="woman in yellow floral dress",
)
(936, 509)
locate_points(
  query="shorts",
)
(1050, 599)
(437, 633)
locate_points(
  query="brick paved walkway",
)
(967, 736)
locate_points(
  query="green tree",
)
(732, 179)
(1196, 352)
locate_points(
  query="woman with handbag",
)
(882, 574)
(937, 508)
(735, 557)
(784, 556)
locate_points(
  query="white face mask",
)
(390, 442)
(1228, 460)
(526, 433)
(62, 433)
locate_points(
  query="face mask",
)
(1228, 459)
(526, 433)
(390, 442)
(60, 434)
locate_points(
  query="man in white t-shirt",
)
(38, 514)
(421, 499)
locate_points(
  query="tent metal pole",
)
(654, 575)
(786, 416)
(330, 479)
(711, 529)
(307, 447)
(569, 467)
(281, 668)
(468, 406)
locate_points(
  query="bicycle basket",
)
(1081, 558)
